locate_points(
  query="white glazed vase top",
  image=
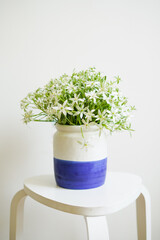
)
(68, 143)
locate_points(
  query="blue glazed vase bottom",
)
(80, 175)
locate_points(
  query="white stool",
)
(120, 190)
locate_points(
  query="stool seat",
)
(119, 191)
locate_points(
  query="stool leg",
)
(16, 215)
(97, 228)
(143, 205)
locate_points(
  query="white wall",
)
(42, 39)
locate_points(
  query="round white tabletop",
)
(119, 190)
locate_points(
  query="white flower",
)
(112, 100)
(86, 123)
(113, 114)
(105, 98)
(92, 95)
(80, 110)
(90, 114)
(27, 116)
(58, 92)
(71, 87)
(62, 108)
(101, 116)
(63, 80)
(84, 144)
(50, 111)
(23, 104)
(76, 99)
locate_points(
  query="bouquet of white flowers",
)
(84, 98)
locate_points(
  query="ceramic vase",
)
(80, 156)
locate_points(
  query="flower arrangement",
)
(84, 98)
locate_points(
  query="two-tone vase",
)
(80, 157)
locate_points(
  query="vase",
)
(80, 156)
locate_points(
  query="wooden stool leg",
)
(143, 205)
(97, 228)
(16, 215)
